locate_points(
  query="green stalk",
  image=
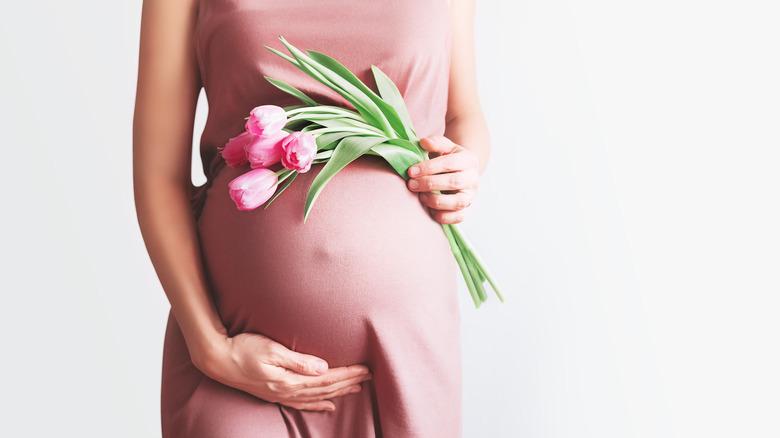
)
(322, 119)
(469, 257)
(462, 264)
(323, 154)
(319, 131)
(482, 278)
(281, 171)
(474, 271)
(289, 176)
(324, 109)
(480, 264)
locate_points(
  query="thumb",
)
(438, 144)
(302, 363)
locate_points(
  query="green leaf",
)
(412, 146)
(298, 61)
(398, 157)
(287, 88)
(331, 109)
(393, 97)
(291, 107)
(388, 110)
(292, 60)
(348, 124)
(348, 149)
(298, 125)
(319, 117)
(357, 98)
(327, 139)
(281, 189)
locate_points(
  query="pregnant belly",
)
(367, 254)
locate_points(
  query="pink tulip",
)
(265, 150)
(253, 188)
(234, 152)
(298, 150)
(266, 120)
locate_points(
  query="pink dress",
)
(369, 278)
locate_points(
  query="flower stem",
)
(316, 132)
(323, 154)
(462, 264)
(324, 109)
(478, 260)
(473, 270)
(281, 171)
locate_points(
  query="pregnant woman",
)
(347, 325)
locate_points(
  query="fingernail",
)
(414, 171)
(413, 184)
(355, 389)
(320, 367)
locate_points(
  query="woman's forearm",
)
(470, 130)
(170, 234)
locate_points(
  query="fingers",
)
(324, 405)
(309, 392)
(327, 392)
(334, 378)
(351, 389)
(444, 181)
(318, 404)
(300, 363)
(447, 217)
(438, 144)
(272, 372)
(316, 390)
(456, 201)
(451, 162)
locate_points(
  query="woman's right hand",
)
(267, 369)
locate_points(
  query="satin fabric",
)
(369, 278)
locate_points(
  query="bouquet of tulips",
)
(307, 134)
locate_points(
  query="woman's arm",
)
(166, 97)
(459, 157)
(167, 92)
(466, 123)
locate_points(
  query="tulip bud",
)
(298, 151)
(234, 151)
(253, 188)
(266, 120)
(263, 151)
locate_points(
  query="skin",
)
(460, 156)
(167, 91)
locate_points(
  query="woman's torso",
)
(409, 40)
(369, 278)
(369, 253)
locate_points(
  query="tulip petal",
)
(234, 151)
(253, 188)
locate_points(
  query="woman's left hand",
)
(452, 169)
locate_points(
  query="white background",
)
(630, 209)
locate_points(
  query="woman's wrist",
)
(207, 349)
(470, 130)
(205, 342)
